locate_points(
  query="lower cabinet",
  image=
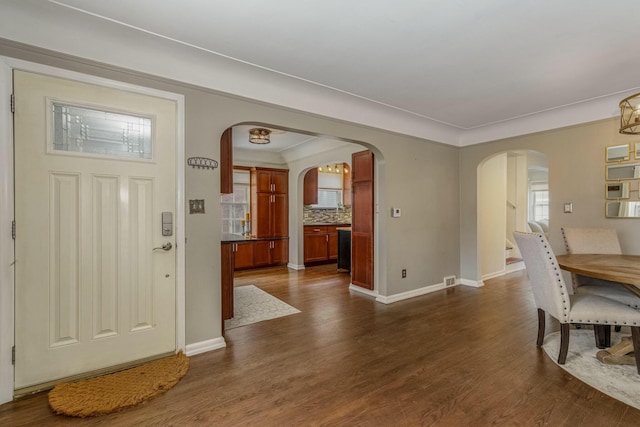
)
(226, 266)
(270, 252)
(320, 243)
(243, 255)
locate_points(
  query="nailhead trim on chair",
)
(558, 277)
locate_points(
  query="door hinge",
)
(13, 229)
(13, 103)
(13, 355)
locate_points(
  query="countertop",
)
(234, 238)
(339, 224)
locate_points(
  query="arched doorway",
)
(512, 192)
(305, 151)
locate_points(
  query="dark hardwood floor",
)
(457, 357)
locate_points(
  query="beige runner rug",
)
(120, 390)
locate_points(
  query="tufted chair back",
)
(591, 241)
(549, 289)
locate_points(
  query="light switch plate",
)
(568, 207)
(196, 206)
(396, 213)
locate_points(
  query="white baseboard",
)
(411, 294)
(472, 283)
(296, 266)
(362, 290)
(204, 346)
(494, 274)
(516, 266)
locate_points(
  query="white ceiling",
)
(280, 140)
(457, 66)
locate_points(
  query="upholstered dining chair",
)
(551, 296)
(597, 241)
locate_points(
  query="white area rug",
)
(252, 305)
(622, 382)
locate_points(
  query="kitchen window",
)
(329, 190)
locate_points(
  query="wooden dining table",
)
(624, 269)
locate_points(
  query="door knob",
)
(166, 247)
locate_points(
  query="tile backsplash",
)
(327, 216)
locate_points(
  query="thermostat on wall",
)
(395, 213)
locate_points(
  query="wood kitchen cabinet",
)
(310, 193)
(333, 245)
(269, 203)
(268, 253)
(242, 255)
(320, 243)
(271, 180)
(226, 266)
(346, 185)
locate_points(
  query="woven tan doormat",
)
(114, 392)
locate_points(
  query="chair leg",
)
(541, 326)
(617, 328)
(602, 334)
(564, 343)
(635, 339)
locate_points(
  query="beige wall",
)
(576, 174)
(419, 176)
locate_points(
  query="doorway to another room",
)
(513, 195)
(318, 195)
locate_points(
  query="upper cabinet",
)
(346, 185)
(311, 187)
(270, 180)
(269, 202)
(226, 162)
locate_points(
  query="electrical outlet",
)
(404, 273)
(449, 280)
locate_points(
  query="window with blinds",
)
(329, 198)
(329, 190)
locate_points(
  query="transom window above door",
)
(87, 130)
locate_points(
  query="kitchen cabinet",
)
(332, 241)
(362, 180)
(271, 180)
(268, 253)
(226, 285)
(242, 255)
(269, 203)
(310, 194)
(346, 185)
(320, 243)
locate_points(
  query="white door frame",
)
(7, 327)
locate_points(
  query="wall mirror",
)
(623, 209)
(618, 190)
(629, 171)
(618, 153)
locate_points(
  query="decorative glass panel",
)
(235, 206)
(87, 130)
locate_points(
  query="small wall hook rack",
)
(202, 163)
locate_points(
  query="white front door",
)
(94, 171)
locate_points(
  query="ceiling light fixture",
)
(630, 115)
(259, 136)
